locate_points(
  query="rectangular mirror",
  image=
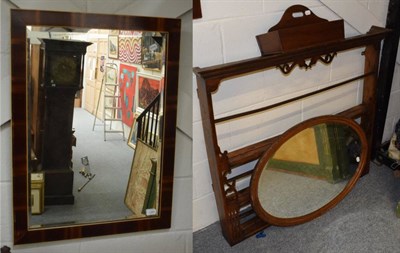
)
(94, 102)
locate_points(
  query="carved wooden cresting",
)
(286, 68)
(237, 217)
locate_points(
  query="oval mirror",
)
(309, 170)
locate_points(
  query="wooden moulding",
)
(197, 13)
(298, 28)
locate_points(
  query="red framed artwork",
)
(149, 87)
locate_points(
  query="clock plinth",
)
(59, 184)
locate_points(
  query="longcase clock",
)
(61, 75)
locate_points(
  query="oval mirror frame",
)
(20, 19)
(260, 166)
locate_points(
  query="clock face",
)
(64, 70)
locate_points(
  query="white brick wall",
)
(227, 33)
(176, 239)
(378, 9)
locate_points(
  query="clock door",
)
(63, 69)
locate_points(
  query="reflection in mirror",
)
(95, 108)
(309, 170)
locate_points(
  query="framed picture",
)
(130, 49)
(148, 88)
(313, 157)
(111, 73)
(113, 46)
(152, 50)
(142, 184)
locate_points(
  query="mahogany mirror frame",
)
(260, 167)
(20, 19)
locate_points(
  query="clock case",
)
(60, 75)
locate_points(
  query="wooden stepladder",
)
(112, 111)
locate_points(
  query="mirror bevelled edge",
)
(19, 20)
(260, 166)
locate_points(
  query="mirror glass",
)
(95, 124)
(309, 170)
(94, 109)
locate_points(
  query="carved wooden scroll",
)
(286, 68)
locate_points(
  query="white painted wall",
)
(227, 33)
(176, 239)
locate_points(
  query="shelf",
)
(239, 222)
